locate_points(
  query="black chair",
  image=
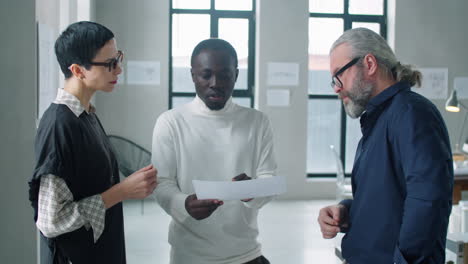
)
(130, 157)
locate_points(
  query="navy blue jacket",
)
(402, 182)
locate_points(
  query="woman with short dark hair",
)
(75, 189)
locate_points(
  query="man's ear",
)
(77, 71)
(371, 64)
(237, 74)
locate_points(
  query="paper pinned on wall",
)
(461, 85)
(237, 190)
(283, 74)
(143, 72)
(278, 97)
(434, 83)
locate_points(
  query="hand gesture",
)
(331, 219)
(201, 209)
(141, 183)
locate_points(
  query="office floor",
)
(289, 233)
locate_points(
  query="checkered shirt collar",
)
(68, 99)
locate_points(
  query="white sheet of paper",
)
(283, 74)
(278, 97)
(434, 84)
(461, 85)
(144, 72)
(238, 190)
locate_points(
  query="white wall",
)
(427, 33)
(432, 33)
(18, 109)
(17, 113)
(141, 30)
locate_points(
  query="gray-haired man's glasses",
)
(335, 80)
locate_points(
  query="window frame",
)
(215, 16)
(348, 20)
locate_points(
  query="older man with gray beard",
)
(402, 177)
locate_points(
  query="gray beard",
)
(359, 96)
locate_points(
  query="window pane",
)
(353, 135)
(236, 32)
(372, 26)
(322, 33)
(233, 5)
(326, 6)
(366, 7)
(191, 4)
(323, 131)
(180, 100)
(319, 82)
(242, 101)
(187, 31)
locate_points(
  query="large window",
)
(328, 123)
(195, 20)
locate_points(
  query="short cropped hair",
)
(79, 43)
(214, 44)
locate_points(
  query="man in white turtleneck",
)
(212, 138)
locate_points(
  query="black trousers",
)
(259, 260)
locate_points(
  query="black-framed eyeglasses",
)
(112, 63)
(335, 80)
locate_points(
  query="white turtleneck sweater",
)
(192, 142)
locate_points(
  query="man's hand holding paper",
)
(242, 189)
(243, 177)
(201, 209)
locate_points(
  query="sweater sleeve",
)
(266, 166)
(168, 193)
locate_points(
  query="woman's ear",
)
(77, 71)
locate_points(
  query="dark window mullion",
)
(326, 15)
(383, 26)
(367, 18)
(191, 11)
(214, 25)
(233, 14)
(241, 93)
(183, 94)
(347, 21)
(213, 21)
(323, 96)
